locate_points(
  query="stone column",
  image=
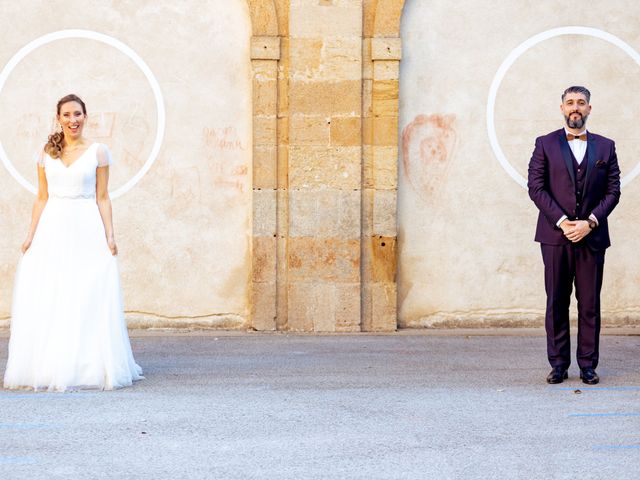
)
(265, 53)
(380, 183)
(324, 165)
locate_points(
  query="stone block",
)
(282, 7)
(384, 307)
(326, 59)
(318, 166)
(265, 165)
(324, 213)
(385, 168)
(346, 131)
(265, 48)
(384, 259)
(283, 166)
(305, 54)
(387, 20)
(367, 98)
(369, 16)
(324, 307)
(341, 59)
(282, 218)
(367, 212)
(265, 97)
(385, 98)
(311, 19)
(347, 307)
(309, 130)
(386, 48)
(323, 259)
(366, 307)
(265, 70)
(367, 63)
(264, 259)
(283, 80)
(386, 70)
(385, 205)
(264, 19)
(367, 166)
(385, 131)
(264, 213)
(325, 97)
(283, 130)
(263, 306)
(302, 307)
(367, 130)
(264, 130)
(324, 301)
(366, 259)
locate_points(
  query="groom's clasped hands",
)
(575, 230)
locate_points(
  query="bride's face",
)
(71, 119)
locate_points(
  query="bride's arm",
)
(104, 205)
(38, 206)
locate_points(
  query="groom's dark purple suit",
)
(559, 186)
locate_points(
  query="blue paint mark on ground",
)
(45, 395)
(611, 414)
(17, 460)
(615, 389)
(23, 426)
(616, 447)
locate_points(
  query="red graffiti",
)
(427, 146)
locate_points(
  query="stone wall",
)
(277, 201)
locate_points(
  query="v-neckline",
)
(67, 167)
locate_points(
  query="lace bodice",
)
(78, 180)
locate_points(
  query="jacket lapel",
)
(566, 154)
(591, 159)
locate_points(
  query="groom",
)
(574, 180)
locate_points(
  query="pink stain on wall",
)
(427, 146)
(225, 138)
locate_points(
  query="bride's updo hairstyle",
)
(54, 143)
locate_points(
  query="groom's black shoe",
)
(589, 376)
(557, 375)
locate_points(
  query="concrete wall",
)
(184, 230)
(467, 256)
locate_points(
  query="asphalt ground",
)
(411, 405)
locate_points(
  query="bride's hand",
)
(112, 246)
(25, 245)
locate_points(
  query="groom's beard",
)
(576, 123)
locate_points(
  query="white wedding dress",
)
(67, 321)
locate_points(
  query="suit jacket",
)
(552, 187)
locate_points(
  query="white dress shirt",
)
(579, 150)
(578, 147)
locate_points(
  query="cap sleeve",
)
(39, 158)
(104, 156)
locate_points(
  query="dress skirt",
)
(67, 325)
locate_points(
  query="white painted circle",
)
(510, 60)
(100, 37)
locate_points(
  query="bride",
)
(67, 321)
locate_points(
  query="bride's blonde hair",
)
(55, 141)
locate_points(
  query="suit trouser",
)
(564, 265)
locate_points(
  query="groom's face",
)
(575, 109)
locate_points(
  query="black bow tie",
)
(582, 137)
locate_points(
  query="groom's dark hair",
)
(577, 89)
